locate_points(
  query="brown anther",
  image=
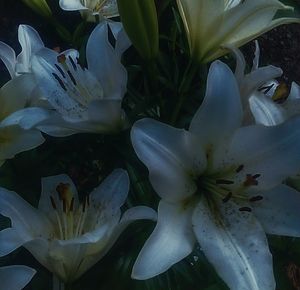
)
(245, 208)
(72, 205)
(256, 198)
(227, 197)
(250, 180)
(61, 58)
(224, 181)
(53, 202)
(62, 190)
(240, 168)
(256, 176)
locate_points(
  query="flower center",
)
(77, 81)
(70, 218)
(225, 185)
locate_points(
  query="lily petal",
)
(71, 5)
(271, 152)
(113, 191)
(26, 220)
(265, 111)
(16, 140)
(15, 277)
(279, 212)
(172, 156)
(236, 245)
(8, 56)
(10, 240)
(221, 111)
(31, 43)
(171, 241)
(105, 63)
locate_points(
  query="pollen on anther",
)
(245, 208)
(250, 180)
(256, 198)
(61, 58)
(224, 181)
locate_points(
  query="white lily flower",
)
(268, 112)
(212, 25)
(250, 84)
(15, 277)
(91, 9)
(13, 137)
(65, 235)
(85, 100)
(30, 42)
(221, 185)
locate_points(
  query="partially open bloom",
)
(221, 185)
(65, 235)
(85, 100)
(30, 42)
(13, 137)
(213, 24)
(91, 9)
(15, 277)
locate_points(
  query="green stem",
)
(187, 78)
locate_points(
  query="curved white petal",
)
(295, 92)
(113, 191)
(104, 62)
(15, 94)
(71, 5)
(272, 152)
(10, 240)
(49, 189)
(26, 118)
(254, 80)
(171, 241)
(221, 111)
(235, 244)
(15, 277)
(8, 56)
(265, 111)
(16, 140)
(279, 212)
(31, 43)
(172, 156)
(26, 220)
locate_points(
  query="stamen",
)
(84, 205)
(256, 176)
(240, 168)
(88, 200)
(72, 205)
(62, 190)
(256, 198)
(72, 78)
(64, 206)
(60, 81)
(250, 180)
(53, 202)
(73, 63)
(227, 197)
(224, 181)
(60, 70)
(245, 208)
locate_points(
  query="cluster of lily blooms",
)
(221, 182)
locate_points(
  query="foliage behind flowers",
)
(82, 100)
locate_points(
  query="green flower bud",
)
(139, 18)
